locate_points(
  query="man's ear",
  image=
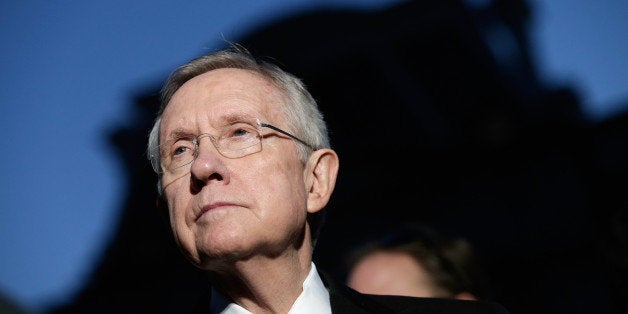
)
(320, 178)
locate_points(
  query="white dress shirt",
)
(314, 299)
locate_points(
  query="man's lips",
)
(213, 206)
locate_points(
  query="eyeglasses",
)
(235, 140)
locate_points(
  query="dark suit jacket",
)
(346, 300)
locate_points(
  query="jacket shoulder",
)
(346, 300)
(402, 304)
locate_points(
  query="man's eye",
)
(181, 147)
(240, 132)
(180, 150)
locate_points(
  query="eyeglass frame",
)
(213, 141)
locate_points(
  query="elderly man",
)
(245, 169)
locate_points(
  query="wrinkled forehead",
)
(218, 97)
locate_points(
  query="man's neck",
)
(266, 285)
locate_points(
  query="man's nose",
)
(208, 164)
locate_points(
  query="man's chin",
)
(219, 261)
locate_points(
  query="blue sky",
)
(71, 68)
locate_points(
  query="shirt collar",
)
(313, 299)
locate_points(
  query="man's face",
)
(224, 209)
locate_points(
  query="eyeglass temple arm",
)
(286, 133)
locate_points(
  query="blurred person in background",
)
(420, 262)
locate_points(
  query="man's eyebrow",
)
(179, 133)
(227, 119)
(236, 117)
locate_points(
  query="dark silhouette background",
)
(436, 120)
